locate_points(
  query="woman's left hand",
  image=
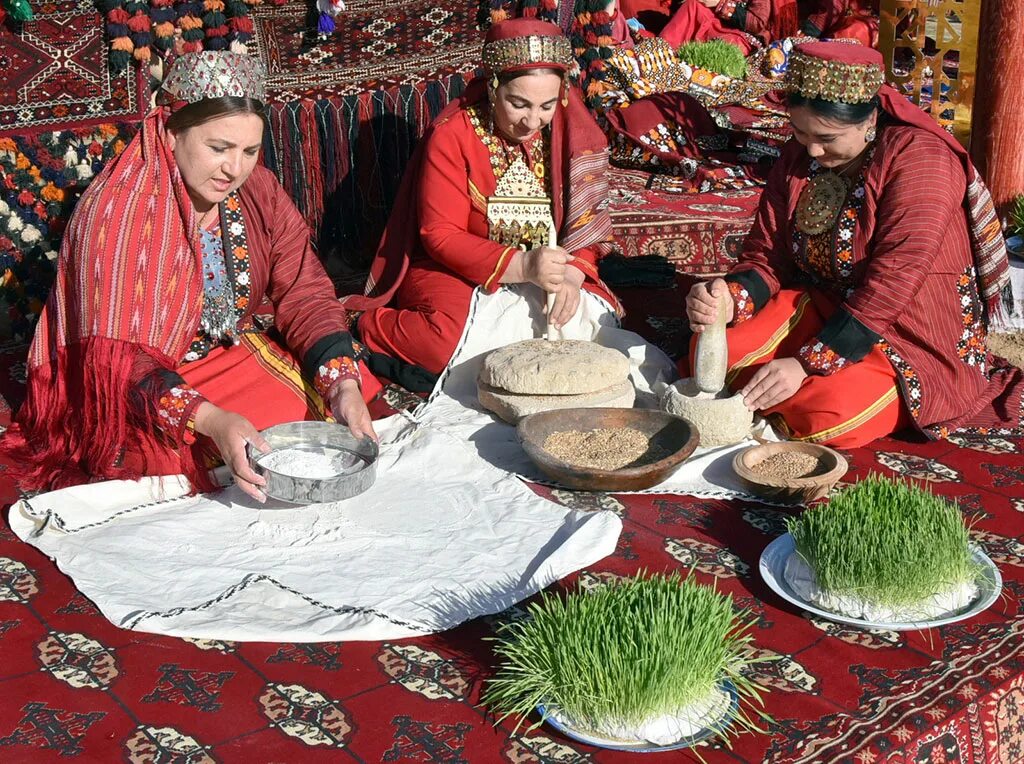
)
(567, 298)
(773, 383)
(348, 407)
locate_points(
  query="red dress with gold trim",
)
(462, 163)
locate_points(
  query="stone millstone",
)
(512, 407)
(551, 368)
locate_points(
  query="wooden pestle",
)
(712, 359)
(552, 331)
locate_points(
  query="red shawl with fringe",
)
(126, 299)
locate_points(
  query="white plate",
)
(773, 563)
(591, 738)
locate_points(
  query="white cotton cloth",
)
(448, 533)
(513, 314)
(439, 539)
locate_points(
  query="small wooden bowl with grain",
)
(790, 472)
(649, 444)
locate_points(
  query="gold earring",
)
(494, 82)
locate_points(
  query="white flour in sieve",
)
(301, 463)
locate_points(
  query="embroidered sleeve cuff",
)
(332, 371)
(176, 410)
(819, 358)
(725, 9)
(494, 280)
(847, 335)
(755, 285)
(743, 306)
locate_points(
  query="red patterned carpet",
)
(701, 234)
(73, 685)
(55, 72)
(346, 111)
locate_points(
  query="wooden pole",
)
(997, 135)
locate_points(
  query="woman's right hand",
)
(545, 267)
(230, 432)
(702, 304)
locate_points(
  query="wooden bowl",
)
(790, 490)
(675, 435)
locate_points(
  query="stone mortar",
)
(721, 418)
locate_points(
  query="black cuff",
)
(336, 345)
(739, 16)
(751, 281)
(847, 336)
(809, 29)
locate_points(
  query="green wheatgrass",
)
(887, 541)
(714, 55)
(1016, 216)
(629, 651)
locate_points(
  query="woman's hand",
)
(546, 267)
(567, 298)
(773, 383)
(230, 432)
(702, 304)
(348, 407)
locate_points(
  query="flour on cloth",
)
(440, 538)
(513, 313)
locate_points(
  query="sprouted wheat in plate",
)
(640, 660)
(883, 550)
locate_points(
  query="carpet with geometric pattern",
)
(74, 686)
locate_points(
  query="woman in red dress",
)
(149, 358)
(860, 303)
(520, 132)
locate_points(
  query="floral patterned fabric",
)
(41, 178)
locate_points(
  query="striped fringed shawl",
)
(987, 243)
(126, 299)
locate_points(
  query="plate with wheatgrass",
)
(644, 664)
(882, 554)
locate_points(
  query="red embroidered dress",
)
(118, 363)
(895, 277)
(438, 245)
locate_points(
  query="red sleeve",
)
(161, 400)
(766, 261)
(586, 261)
(444, 209)
(305, 307)
(824, 17)
(754, 17)
(922, 192)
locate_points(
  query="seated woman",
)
(844, 19)
(521, 132)
(147, 359)
(748, 25)
(861, 300)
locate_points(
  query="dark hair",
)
(844, 113)
(506, 77)
(211, 108)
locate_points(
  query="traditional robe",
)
(745, 24)
(896, 278)
(844, 19)
(118, 365)
(451, 253)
